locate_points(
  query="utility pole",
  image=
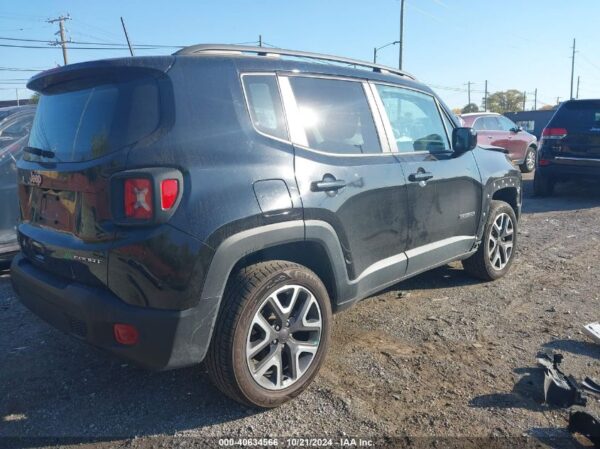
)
(578, 87)
(401, 34)
(572, 68)
(126, 36)
(469, 91)
(485, 105)
(535, 99)
(260, 40)
(17, 92)
(524, 99)
(61, 32)
(557, 101)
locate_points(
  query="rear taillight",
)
(138, 197)
(554, 133)
(145, 196)
(169, 190)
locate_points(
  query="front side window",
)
(506, 124)
(335, 115)
(264, 103)
(415, 120)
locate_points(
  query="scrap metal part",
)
(559, 390)
(591, 385)
(593, 330)
(585, 424)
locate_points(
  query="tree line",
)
(511, 100)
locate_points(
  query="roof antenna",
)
(126, 36)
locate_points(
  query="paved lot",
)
(440, 355)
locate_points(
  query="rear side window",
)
(491, 123)
(578, 115)
(79, 125)
(264, 104)
(335, 115)
(415, 120)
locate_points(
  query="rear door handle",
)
(420, 176)
(328, 185)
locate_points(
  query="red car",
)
(498, 131)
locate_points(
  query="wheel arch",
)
(509, 195)
(292, 241)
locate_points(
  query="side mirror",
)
(517, 129)
(464, 139)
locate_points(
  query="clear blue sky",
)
(511, 43)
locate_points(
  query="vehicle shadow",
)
(447, 276)
(52, 385)
(579, 347)
(527, 393)
(567, 196)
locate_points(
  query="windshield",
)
(79, 125)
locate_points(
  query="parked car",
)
(498, 131)
(10, 110)
(219, 204)
(14, 132)
(15, 123)
(570, 146)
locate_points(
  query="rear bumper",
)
(571, 168)
(167, 338)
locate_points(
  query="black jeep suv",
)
(570, 146)
(219, 204)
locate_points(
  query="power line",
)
(117, 46)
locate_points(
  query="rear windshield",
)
(80, 125)
(582, 115)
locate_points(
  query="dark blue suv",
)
(219, 204)
(570, 146)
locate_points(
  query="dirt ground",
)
(438, 359)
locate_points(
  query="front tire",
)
(528, 164)
(496, 252)
(272, 334)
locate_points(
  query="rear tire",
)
(528, 164)
(543, 185)
(496, 252)
(271, 335)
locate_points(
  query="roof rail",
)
(268, 51)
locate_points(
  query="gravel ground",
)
(437, 359)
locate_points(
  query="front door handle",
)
(327, 185)
(420, 176)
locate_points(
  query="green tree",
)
(506, 101)
(471, 107)
(34, 99)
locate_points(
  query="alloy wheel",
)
(530, 160)
(501, 241)
(284, 337)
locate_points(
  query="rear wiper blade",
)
(39, 152)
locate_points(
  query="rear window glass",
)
(578, 115)
(89, 123)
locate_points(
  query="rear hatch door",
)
(581, 119)
(89, 115)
